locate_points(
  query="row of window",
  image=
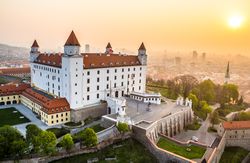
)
(47, 69)
(52, 122)
(98, 71)
(58, 116)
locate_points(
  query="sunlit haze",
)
(162, 24)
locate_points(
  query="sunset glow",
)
(235, 21)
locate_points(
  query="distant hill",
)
(13, 53)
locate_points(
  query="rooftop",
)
(236, 125)
(91, 60)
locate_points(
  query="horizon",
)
(161, 25)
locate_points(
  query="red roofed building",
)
(235, 133)
(86, 79)
(51, 110)
(18, 72)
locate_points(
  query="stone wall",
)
(162, 156)
(107, 122)
(93, 111)
(216, 155)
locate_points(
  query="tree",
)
(11, 142)
(184, 84)
(67, 142)
(48, 142)
(205, 91)
(229, 93)
(195, 101)
(122, 127)
(32, 133)
(89, 137)
(214, 118)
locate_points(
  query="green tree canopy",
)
(89, 137)
(214, 118)
(48, 142)
(67, 142)
(195, 101)
(205, 91)
(32, 134)
(122, 127)
(230, 92)
(11, 142)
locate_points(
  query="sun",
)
(235, 21)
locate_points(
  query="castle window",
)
(88, 97)
(76, 75)
(107, 94)
(98, 72)
(107, 71)
(122, 76)
(76, 63)
(107, 78)
(115, 70)
(88, 89)
(97, 96)
(140, 74)
(139, 87)
(88, 73)
(134, 68)
(115, 85)
(75, 93)
(128, 69)
(98, 79)
(122, 69)
(97, 87)
(140, 68)
(107, 86)
(75, 84)
(88, 80)
(121, 83)
(115, 77)
(140, 81)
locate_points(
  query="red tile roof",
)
(72, 40)
(35, 45)
(12, 89)
(236, 125)
(49, 105)
(8, 71)
(91, 60)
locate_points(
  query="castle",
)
(62, 83)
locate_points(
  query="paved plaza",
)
(138, 111)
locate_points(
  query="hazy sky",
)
(181, 25)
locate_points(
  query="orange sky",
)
(180, 25)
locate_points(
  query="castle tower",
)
(109, 49)
(72, 68)
(142, 56)
(34, 52)
(227, 75)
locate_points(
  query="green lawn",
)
(7, 117)
(233, 155)
(97, 128)
(195, 151)
(125, 152)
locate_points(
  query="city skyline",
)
(160, 24)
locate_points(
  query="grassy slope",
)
(196, 152)
(233, 155)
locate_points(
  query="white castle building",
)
(85, 79)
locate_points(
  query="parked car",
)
(194, 138)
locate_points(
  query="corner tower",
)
(72, 68)
(34, 52)
(142, 56)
